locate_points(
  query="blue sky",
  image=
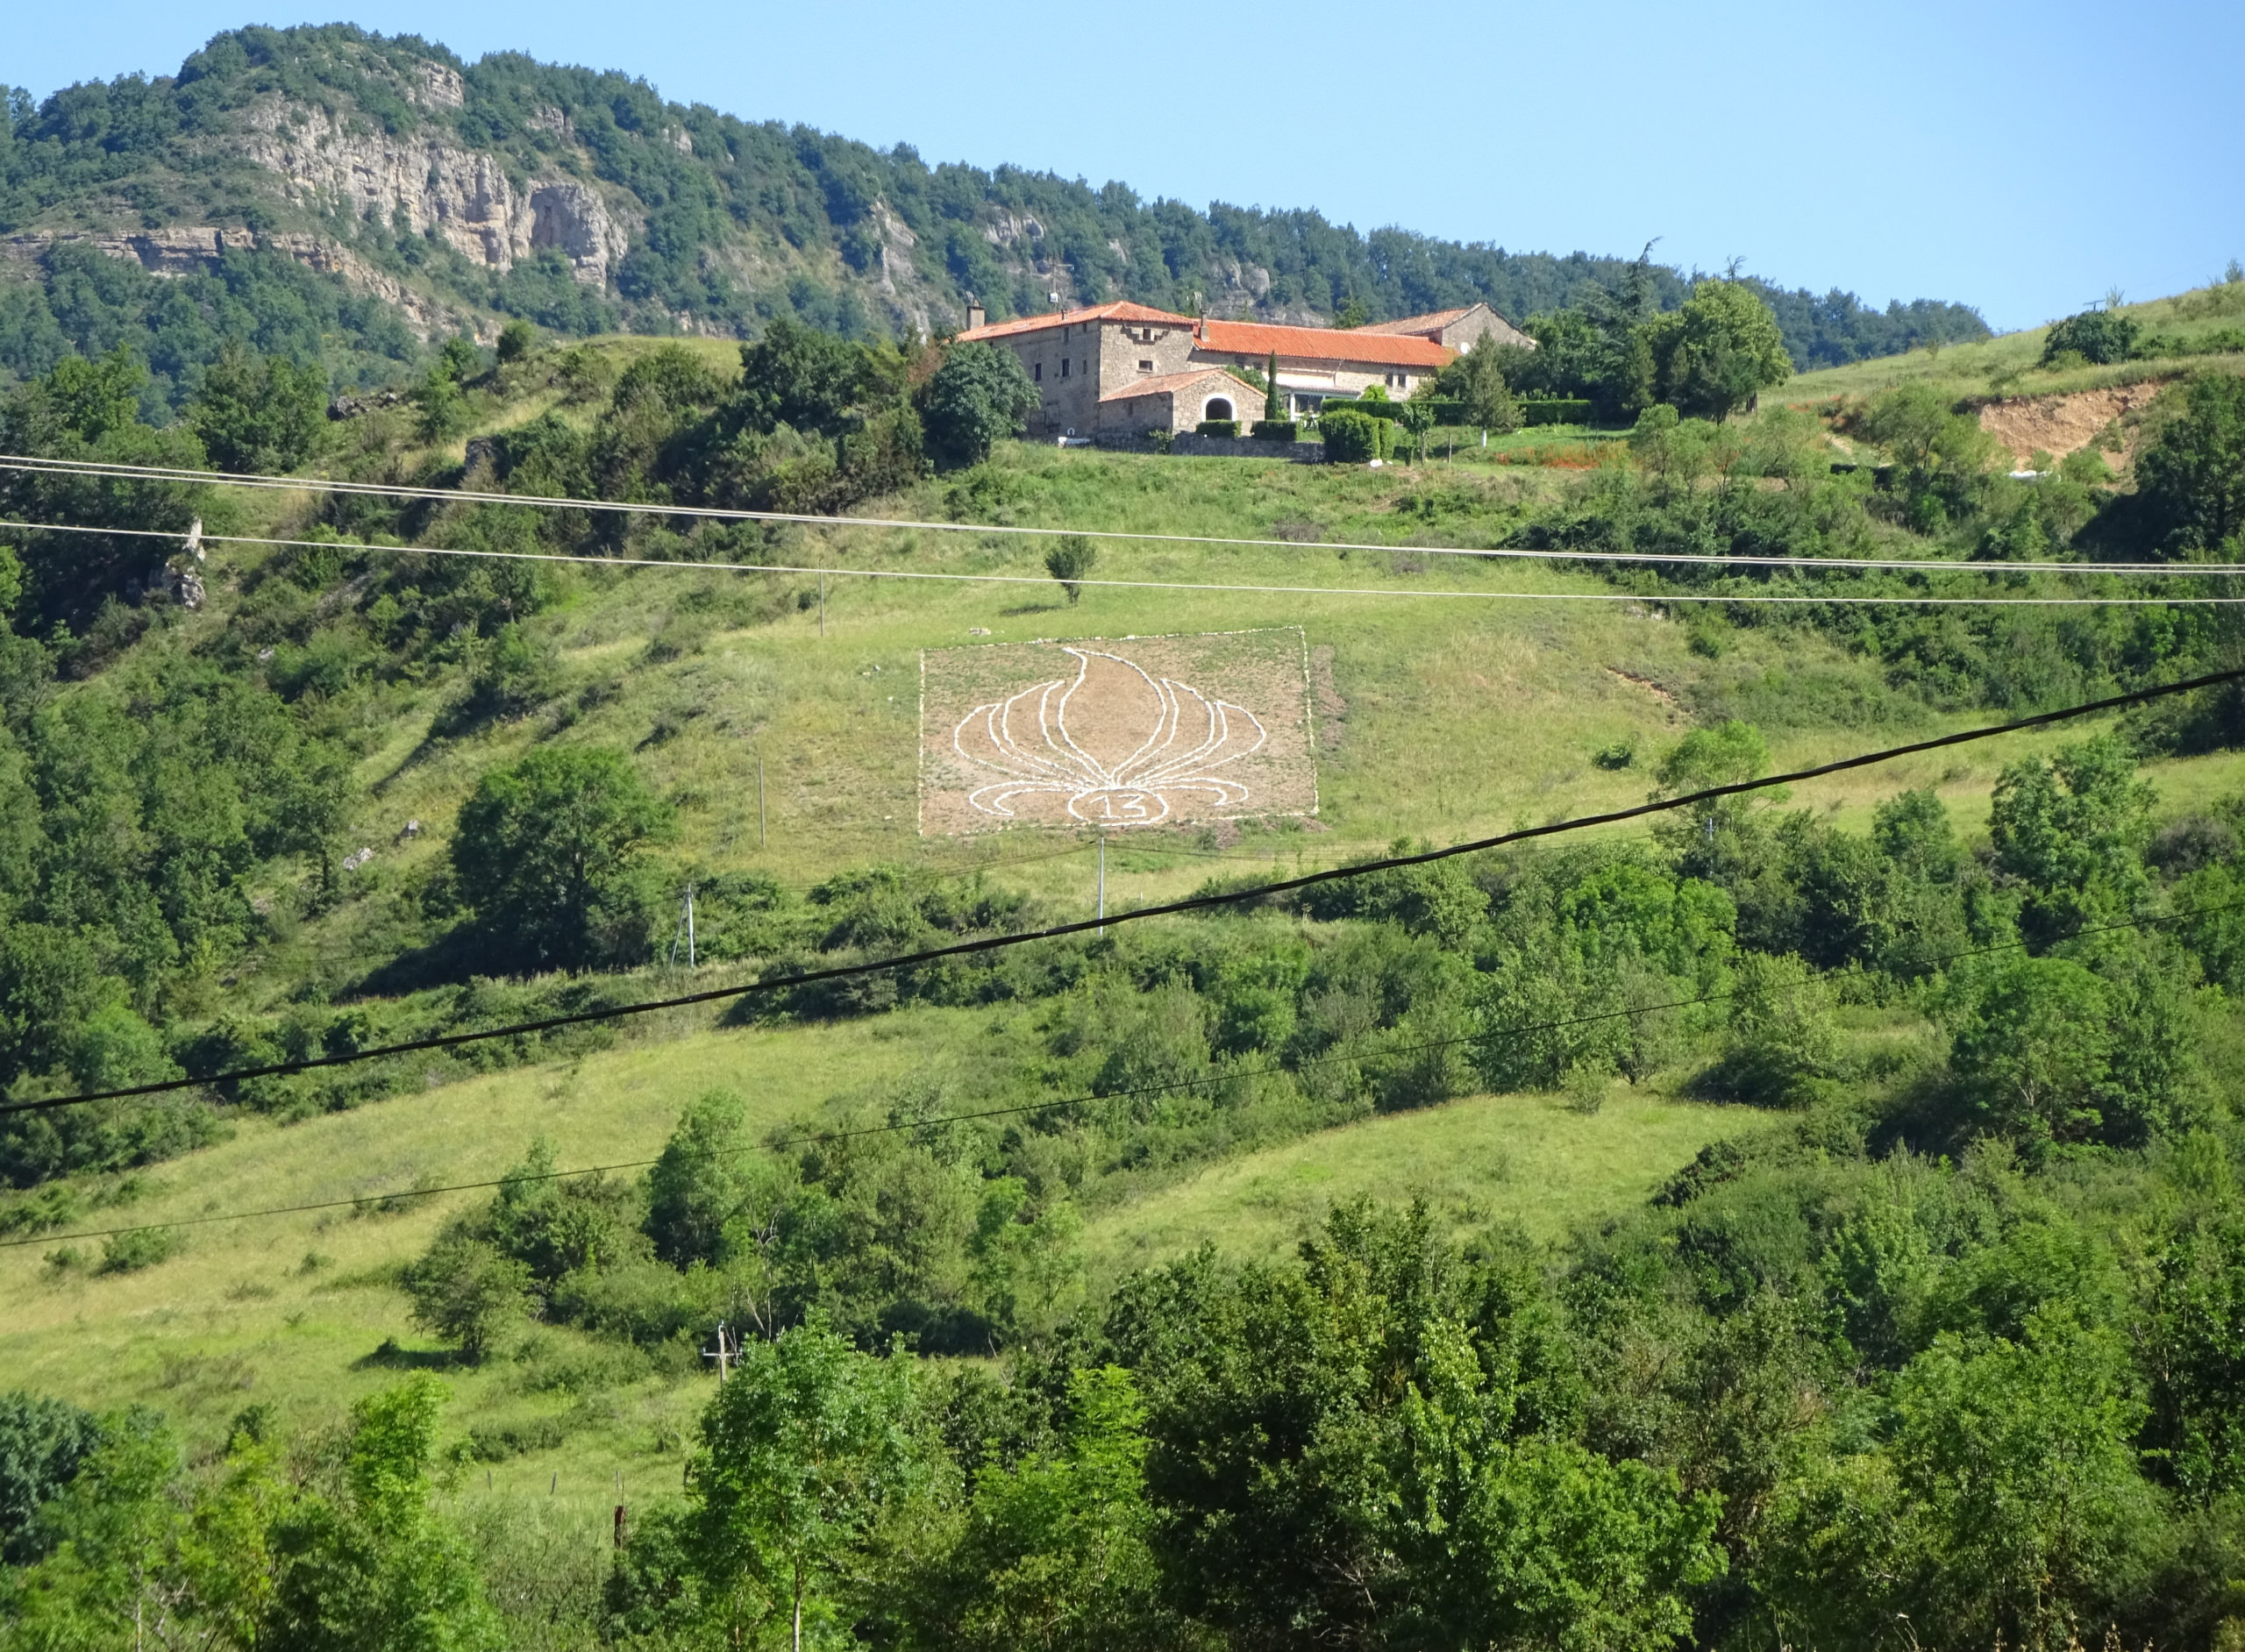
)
(2024, 159)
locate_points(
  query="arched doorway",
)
(1219, 408)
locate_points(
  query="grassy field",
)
(2005, 365)
(1528, 1159)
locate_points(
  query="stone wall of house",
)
(1129, 351)
(1180, 408)
(1481, 324)
(1131, 419)
(1070, 397)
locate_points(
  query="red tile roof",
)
(1118, 312)
(1433, 321)
(1168, 382)
(1323, 344)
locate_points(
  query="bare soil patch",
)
(1673, 706)
(2062, 424)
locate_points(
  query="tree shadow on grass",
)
(459, 953)
(390, 1356)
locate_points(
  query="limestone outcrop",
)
(420, 181)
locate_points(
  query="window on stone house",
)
(1064, 366)
(1145, 367)
(1038, 373)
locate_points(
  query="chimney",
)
(975, 313)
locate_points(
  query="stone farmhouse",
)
(1126, 370)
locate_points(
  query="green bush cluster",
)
(1352, 436)
(1554, 410)
(2101, 336)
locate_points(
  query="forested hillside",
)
(456, 193)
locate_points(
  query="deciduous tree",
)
(801, 1450)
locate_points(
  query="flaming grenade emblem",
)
(1118, 746)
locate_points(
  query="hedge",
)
(1277, 430)
(1217, 427)
(1449, 411)
(1554, 412)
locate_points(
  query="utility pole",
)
(685, 927)
(821, 605)
(762, 840)
(1102, 881)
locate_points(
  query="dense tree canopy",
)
(547, 851)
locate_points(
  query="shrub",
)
(1070, 561)
(1783, 1043)
(1276, 431)
(1555, 410)
(140, 1248)
(1228, 428)
(2095, 335)
(1350, 438)
(467, 1293)
(516, 340)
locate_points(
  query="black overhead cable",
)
(1194, 904)
(1206, 1081)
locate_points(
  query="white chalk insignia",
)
(1143, 746)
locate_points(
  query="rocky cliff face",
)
(422, 182)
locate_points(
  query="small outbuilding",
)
(1180, 402)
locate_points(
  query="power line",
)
(1193, 903)
(391, 490)
(1759, 598)
(1387, 1052)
